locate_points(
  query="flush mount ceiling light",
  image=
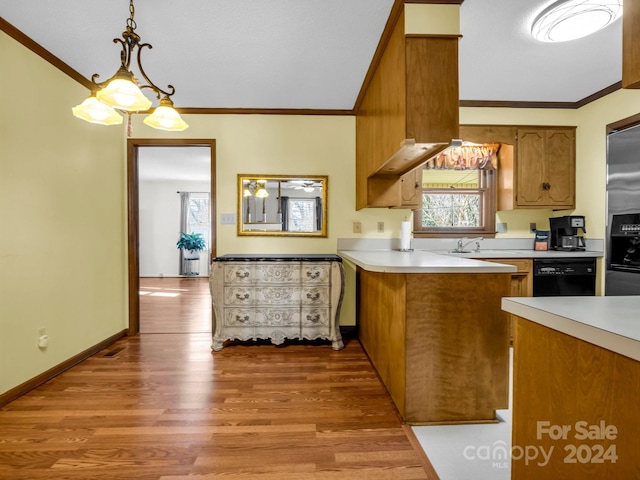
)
(570, 19)
(122, 92)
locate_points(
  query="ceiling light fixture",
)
(121, 92)
(571, 19)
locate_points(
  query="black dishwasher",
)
(570, 276)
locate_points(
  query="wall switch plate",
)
(380, 227)
(228, 218)
(532, 228)
(501, 228)
(357, 227)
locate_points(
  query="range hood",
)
(411, 155)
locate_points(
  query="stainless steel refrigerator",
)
(623, 213)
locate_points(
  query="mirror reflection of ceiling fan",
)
(307, 186)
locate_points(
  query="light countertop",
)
(420, 261)
(489, 247)
(514, 253)
(608, 322)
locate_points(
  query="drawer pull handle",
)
(313, 296)
(313, 275)
(242, 274)
(314, 318)
(242, 297)
(546, 186)
(242, 319)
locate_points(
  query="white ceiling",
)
(175, 164)
(314, 54)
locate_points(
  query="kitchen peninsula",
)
(576, 387)
(434, 330)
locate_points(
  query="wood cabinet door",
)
(530, 150)
(411, 189)
(560, 168)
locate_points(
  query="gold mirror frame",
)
(269, 215)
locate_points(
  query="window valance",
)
(467, 157)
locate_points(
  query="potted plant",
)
(191, 244)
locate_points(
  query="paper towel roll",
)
(405, 235)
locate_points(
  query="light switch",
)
(228, 218)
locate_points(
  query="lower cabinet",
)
(521, 281)
(276, 297)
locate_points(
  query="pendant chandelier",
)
(123, 92)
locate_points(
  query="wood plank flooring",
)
(165, 407)
(175, 305)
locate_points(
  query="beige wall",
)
(287, 145)
(62, 180)
(591, 158)
(62, 228)
(518, 220)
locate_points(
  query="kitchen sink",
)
(484, 253)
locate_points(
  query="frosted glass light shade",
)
(262, 193)
(124, 95)
(94, 111)
(166, 118)
(571, 19)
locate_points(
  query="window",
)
(198, 215)
(302, 215)
(458, 200)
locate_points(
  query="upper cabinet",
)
(546, 168)
(407, 114)
(536, 165)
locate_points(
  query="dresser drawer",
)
(242, 274)
(315, 317)
(278, 295)
(239, 295)
(316, 273)
(311, 295)
(239, 317)
(280, 317)
(277, 273)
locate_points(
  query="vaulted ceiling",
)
(310, 54)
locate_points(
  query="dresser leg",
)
(337, 344)
(216, 345)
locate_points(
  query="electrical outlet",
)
(501, 227)
(357, 227)
(380, 227)
(532, 228)
(43, 338)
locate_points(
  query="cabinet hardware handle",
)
(242, 275)
(314, 318)
(314, 296)
(313, 275)
(546, 186)
(242, 297)
(242, 319)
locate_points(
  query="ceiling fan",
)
(307, 186)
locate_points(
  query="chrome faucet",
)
(464, 241)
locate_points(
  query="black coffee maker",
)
(564, 233)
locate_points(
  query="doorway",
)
(134, 148)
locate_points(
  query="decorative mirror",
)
(282, 205)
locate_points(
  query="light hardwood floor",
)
(164, 407)
(175, 305)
